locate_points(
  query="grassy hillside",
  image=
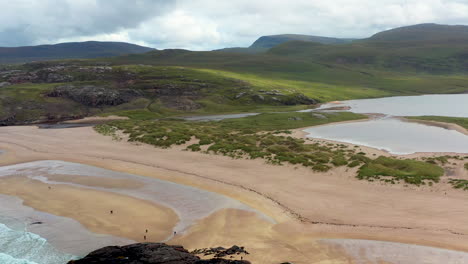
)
(89, 49)
(48, 92)
(422, 33)
(295, 67)
(427, 48)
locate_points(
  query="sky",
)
(211, 24)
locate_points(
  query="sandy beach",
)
(306, 206)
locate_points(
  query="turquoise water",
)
(17, 246)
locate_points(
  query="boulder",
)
(94, 96)
(4, 84)
(58, 78)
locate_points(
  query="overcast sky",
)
(211, 24)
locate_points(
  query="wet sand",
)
(91, 208)
(66, 234)
(307, 206)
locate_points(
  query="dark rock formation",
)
(148, 253)
(7, 121)
(94, 96)
(220, 252)
(275, 97)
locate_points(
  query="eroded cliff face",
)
(150, 253)
(95, 96)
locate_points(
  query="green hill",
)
(426, 48)
(423, 33)
(72, 50)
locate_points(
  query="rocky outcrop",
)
(148, 253)
(94, 96)
(7, 121)
(275, 97)
(4, 84)
(220, 252)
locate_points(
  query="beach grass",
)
(263, 136)
(459, 184)
(395, 170)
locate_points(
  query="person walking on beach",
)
(111, 211)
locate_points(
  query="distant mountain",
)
(72, 50)
(428, 33)
(267, 42)
(428, 48)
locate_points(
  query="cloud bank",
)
(211, 24)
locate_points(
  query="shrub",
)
(410, 171)
(459, 184)
(321, 168)
(194, 147)
(354, 163)
(339, 160)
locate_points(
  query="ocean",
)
(17, 246)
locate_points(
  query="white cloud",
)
(42, 21)
(210, 24)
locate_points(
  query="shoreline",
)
(449, 126)
(300, 133)
(378, 211)
(78, 240)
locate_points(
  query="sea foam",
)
(22, 247)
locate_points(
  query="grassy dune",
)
(395, 170)
(265, 136)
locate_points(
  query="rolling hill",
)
(72, 50)
(427, 48)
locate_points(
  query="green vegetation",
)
(282, 121)
(461, 121)
(466, 166)
(459, 184)
(266, 136)
(27, 103)
(394, 170)
(305, 72)
(262, 136)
